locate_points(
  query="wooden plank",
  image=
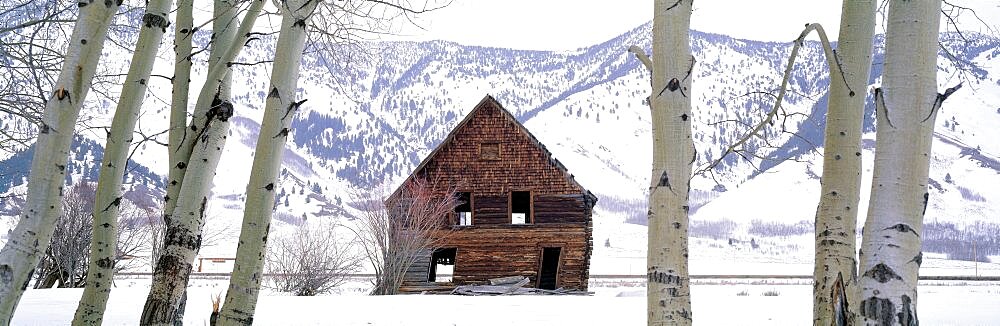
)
(506, 280)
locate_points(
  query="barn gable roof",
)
(488, 101)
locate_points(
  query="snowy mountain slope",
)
(370, 119)
(141, 185)
(965, 169)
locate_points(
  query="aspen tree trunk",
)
(280, 108)
(668, 287)
(31, 237)
(103, 246)
(906, 108)
(224, 27)
(223, 33)
(204, 139)
(183, 36)
(835, 299)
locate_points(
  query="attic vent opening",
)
(520, 207)
(464, 209)
(489, 151)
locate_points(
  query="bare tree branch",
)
(837, 75)
(395, 233)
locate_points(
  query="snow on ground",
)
(725, 303)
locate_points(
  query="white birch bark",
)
(180, 94)
(223, 33)
(668, 286)
(224, 28)
(906, 108)
(205, 139)
(279, 111)
(183, 36)
(835, 299)
(103, 246)
(31, 237)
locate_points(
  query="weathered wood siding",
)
(420, 270)
(492, 251)
(514, 160)
(570, 208)
(523, 164)
(489, 209)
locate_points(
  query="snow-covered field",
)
(614, 303)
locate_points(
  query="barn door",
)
(549, 272)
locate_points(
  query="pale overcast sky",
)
(571, 24)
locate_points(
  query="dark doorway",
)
(442, 261)
(550, 268)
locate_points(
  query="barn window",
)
(442, 265)
(489, 151)
(520, 207)
(464, 209)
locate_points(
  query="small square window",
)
(520, 207)
(489, 151)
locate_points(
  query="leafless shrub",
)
(134, 235)
(393, 233)
(719, 229)
(157, 230)
(310, 261)
(66, 260)
(771, 293)
(287, 218)
(216, 229)
(778, 229)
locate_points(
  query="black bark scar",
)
(919, 259)
(663, 278)
(940, 100)
(282, 133)
(878, 309)
(902, 228)
(292, 107)
(907, 316)
(885, 110)
(926, 197)
(117, 202)
(674, 5)
(664, 181)
(882, 273)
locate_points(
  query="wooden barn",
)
(521, 213)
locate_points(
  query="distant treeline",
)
(971, 242)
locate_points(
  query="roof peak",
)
(489, 101)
